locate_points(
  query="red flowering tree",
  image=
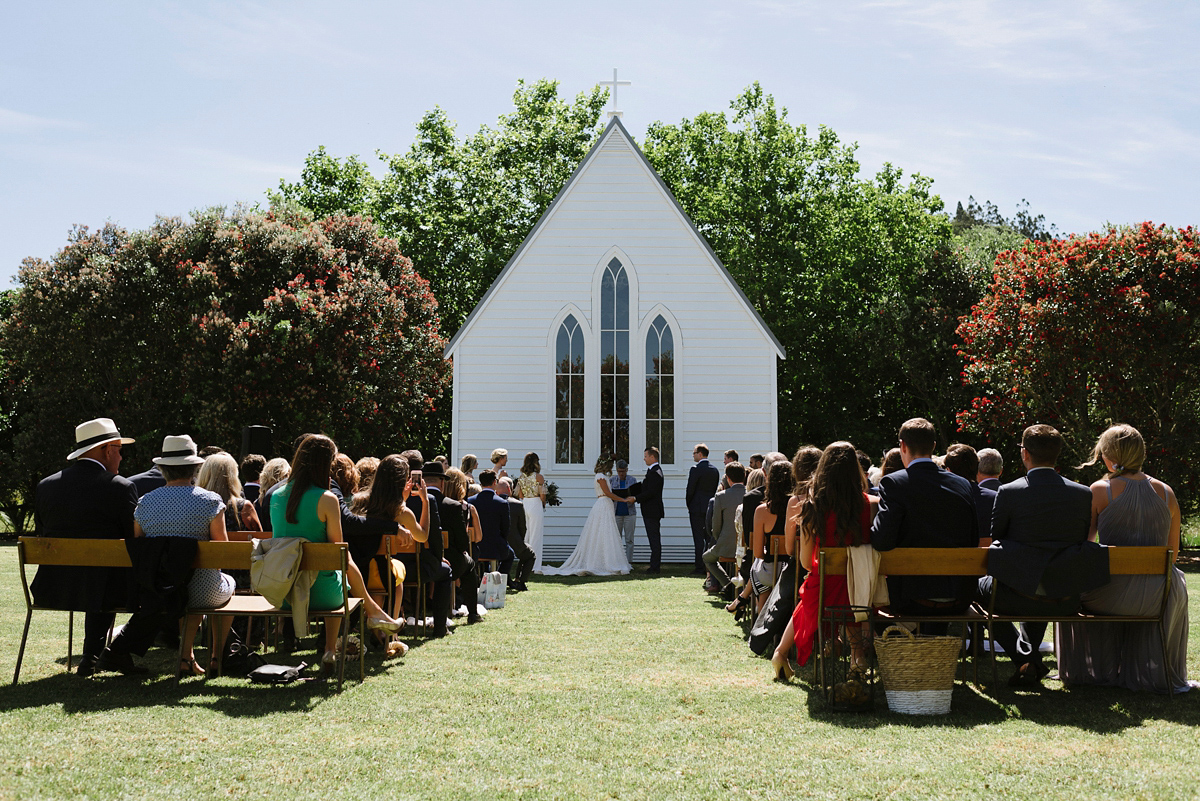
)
(1090, 330)
(216, 323)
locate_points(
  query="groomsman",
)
(526, 558)
(703, 480)
(651, 500)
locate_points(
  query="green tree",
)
(460, 208)
(212, 324)
(853, 275)
(1088, 331)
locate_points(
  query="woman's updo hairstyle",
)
(1122, 445)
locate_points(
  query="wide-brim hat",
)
(100, 431)
(435, 469)
(178, 452)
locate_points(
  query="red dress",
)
(804, 619)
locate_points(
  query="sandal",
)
(190, 667)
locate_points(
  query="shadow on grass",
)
(1100, 710)
(638, 574)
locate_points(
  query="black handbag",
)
(277, 674)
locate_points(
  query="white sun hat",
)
(100, 431)
(178, 451)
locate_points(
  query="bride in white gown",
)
(600, 550)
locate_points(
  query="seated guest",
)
(1129, 508)
(517, 526)
(304, 507)
(274, 474)
(769, 520)
(429, 564)
(179, 509)
(366, 468)
(88, 499)
(219, 474)
(448, 488)
(836, 514)
(251, 468)
(1040, 560)
(152, 479)
(961, 460)
(755, 490)
(345, 474)
(864, 461)
(923, 506)
(891, 463)
(727, 505)
(209, 450)
(493, 521)
(991, 465)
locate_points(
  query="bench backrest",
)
(1124, 560)
(219, 555)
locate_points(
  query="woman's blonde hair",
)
(219, 474)
(1124, 447)
(469, 463)
(455, 484)
(273, 472)
(756, 479)
(498, 454)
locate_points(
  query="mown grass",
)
(581, 688)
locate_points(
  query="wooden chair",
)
(316, 556)
(68, 553)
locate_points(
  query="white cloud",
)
(20, 122)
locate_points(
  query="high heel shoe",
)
(384, 624)
(190, 667)
(781, 667)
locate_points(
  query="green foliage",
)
(1024, 222)
(1089, 331)
(849, 273)
(206, 326)
(461, 208)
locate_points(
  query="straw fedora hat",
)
(100, 431)
(178, 451)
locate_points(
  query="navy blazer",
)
(925, 507)
(985, 501)
(151, 480)
(703, 480)
(87, 501)
(992, 484)
(494, 520)
(1040, 530)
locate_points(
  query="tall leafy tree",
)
(459, 208)
(852, 274)
(1087, 331)
(207, 325)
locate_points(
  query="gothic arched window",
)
(614, 360)
(568, 392)
(660, 389)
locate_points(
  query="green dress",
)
(327, 589)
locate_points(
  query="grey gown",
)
(1129, 654)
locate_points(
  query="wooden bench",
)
(1123, 561)
(219, 555)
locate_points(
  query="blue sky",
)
(121, 111)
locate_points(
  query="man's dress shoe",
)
(119, 663)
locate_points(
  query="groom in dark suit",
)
(703, 480)
(650, 497)
(1040, 557)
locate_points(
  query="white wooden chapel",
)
(613, 327)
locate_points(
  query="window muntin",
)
(568, 393)
(614, 360)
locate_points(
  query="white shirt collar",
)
(89, 459)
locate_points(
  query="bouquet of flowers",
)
(552, 498)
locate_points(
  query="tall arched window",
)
(660, 389)
(568, 391)
(614, 360)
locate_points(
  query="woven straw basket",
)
(917, 672)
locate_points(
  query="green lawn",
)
(614, 688)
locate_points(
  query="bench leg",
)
(21, 652)
(70, 638)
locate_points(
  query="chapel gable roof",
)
(615, 128)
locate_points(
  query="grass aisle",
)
(580, 688)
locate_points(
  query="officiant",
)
(621, 484)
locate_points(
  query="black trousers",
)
(462, 570)
(525, 557)
(1027, 647)
(699, 535)
(139, 633)
(436, 573)
(654, 537)
(95, 632)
